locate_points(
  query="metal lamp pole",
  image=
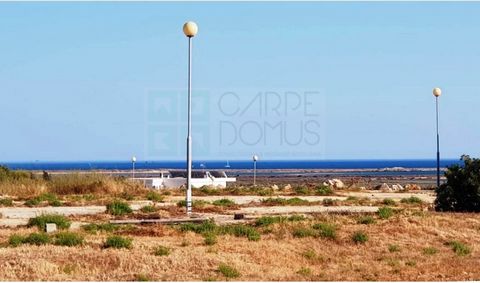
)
(190, 29)
(134, 159)
(255, 158)
(437, 92)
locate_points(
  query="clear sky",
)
(104, 81)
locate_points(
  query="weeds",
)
(195, 203)
(322, 190)
(161, 251)
(94, 228)
(326, 230)
(430, 251)
(385, 212)
(228, 271)
(118, 242)
(389, 201)
(148, 209)
(6, 202)
(118, 207)
(210, 238)
(459, 248)
(303, 232)
(285, 201)
(37, 239)
(366, 220)
(310, 254)
(393, 248)
(41, 221)
(224, 202)
(269, 220)
(16, 240)
(305, 271)
(69, 239)
(412, 200)
(154, 196)
(359, 237)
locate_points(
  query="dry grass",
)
(338, 259)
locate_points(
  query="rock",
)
(383, 187)
(397, 187)
(50, 227)
(362, 188)
(412, 187)
(287, 187)
(334, 183)
(275, 187)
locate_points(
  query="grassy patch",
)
(16, 240)
(388, 201)
(224, 202)
(154, 196)
(285, 201)
(366, 220)
(459, 248)
(326, 230)
(210, 238)
(69, 239)
(310, 254)
(359, 237)
(148, 209)
(269, 220)
(42, 220)
(393, 248)
(143, 278)
(228, 271)
(305, 271)
(430, 251)
(322, 190)
(301, 190)
(195, 203)
(118, 207)
(118, 242)
(6, 202)
(208, 227)
(161, 251)
(37, 239)
(94, 228)
(303, 232)
(385, 212)
(411, 200)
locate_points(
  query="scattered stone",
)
(50, 227)
(383, 187)
(397, 187)
(412, 187)
(334, 183)
(287, 187)
(238, 216)
(275, 188)
(362, 188)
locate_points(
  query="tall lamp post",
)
(190, 29)
(255, 158)
(437, 92)
(134, 159)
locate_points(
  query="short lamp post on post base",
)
(255, 158)
(134, 159)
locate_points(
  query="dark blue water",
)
(215, 164)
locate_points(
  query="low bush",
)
(161, 251)
(148, 209)
(389, 201)
(359, 237)
(322, 190)
(224, 202)
(69, 239)
(366, 220)
(301, 190)
(6, 202)
(228, 271)
(154, 196)
(385, 212)
(16, 240)
(269, 220)
(32, 202)
(195, 203)
(210, 238)
(305, 271)
(204, 227)
(326, 230)
(37, 239)
(118, 242)
(393, 248)
(118, 207)
(430, 251)
(411, 200)
(310, 254)
(94, 228)
(303, 232)
(41, 221)
(143, 278)
(242, 231)
(285, 201)
(459, 248)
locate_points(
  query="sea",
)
(352, 167)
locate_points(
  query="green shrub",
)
(241, 231)
(269, 220)
(154, 196)
(118, 242)
(204, 227)
(385, 212)
(301, 190)
(393, 248)
(366, 220)
(411, 200)
(69, 239)
(94, 228)
(118, 207)
(322, 190)
(148, 209)
(352, 199)
(461, 192)
(210, 238)
(359, 237)
(296, 217)
(310, 254)
(285, 201)
(460, 248)
(430, 251)
(37, 239)
(32, 202)
(305, 271)
(228, 271)
(389, 201)
(16, 240)
(143, 278)
(302, 232)
(195, 203)
(161, 251)
(42, 220)
(6, 202)
(326, 230)
(224, 202)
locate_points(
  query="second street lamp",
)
(190, 29)
(437, 92)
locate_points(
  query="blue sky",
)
(78, 80)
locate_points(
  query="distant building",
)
(176, 179)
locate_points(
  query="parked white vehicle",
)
(176, 179)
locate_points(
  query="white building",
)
(176, 179)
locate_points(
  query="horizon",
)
(288, 81)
